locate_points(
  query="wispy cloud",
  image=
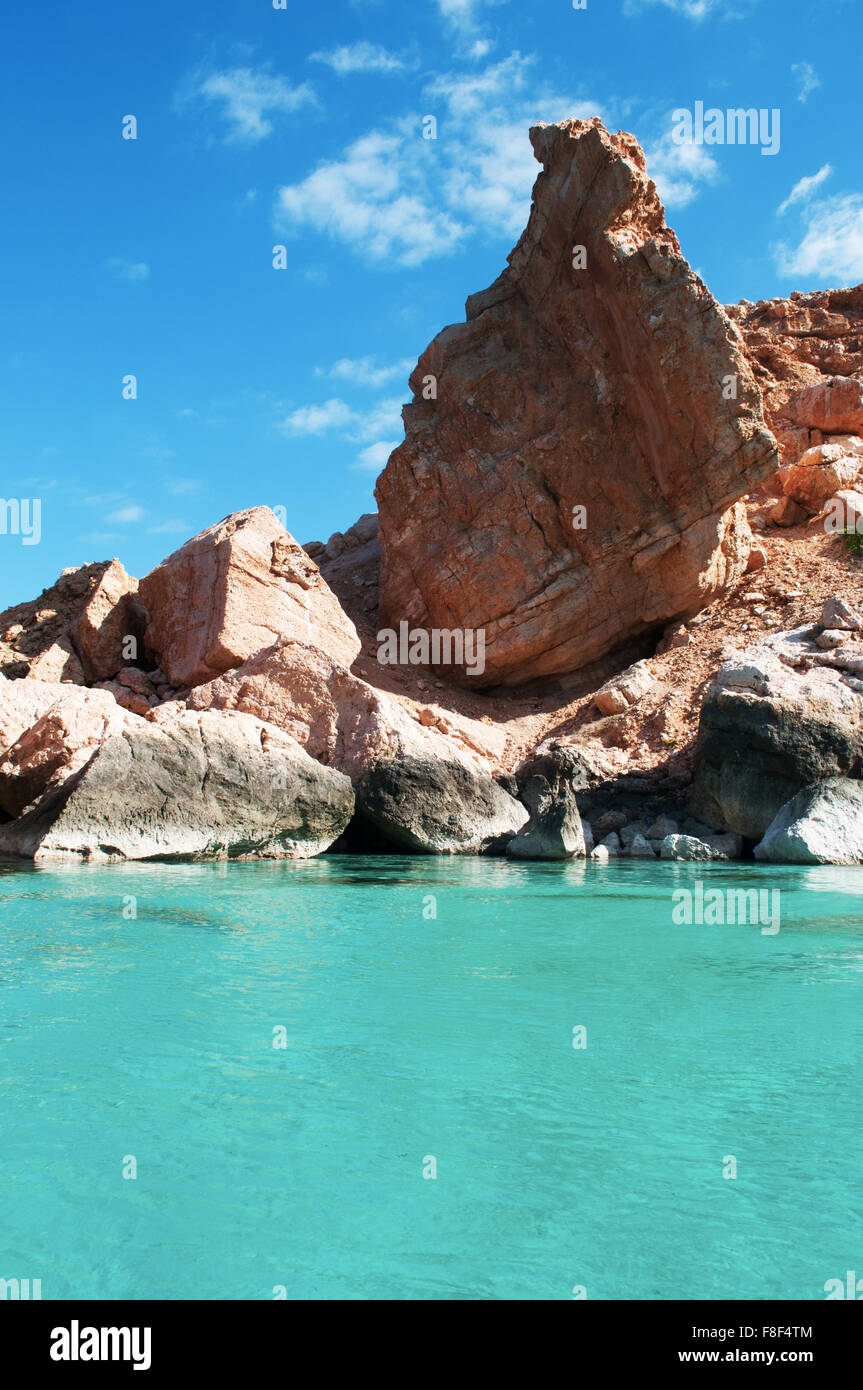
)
(401, 199)
(132, 271)
(805, 187)
(807, 79)
(317, 419)
(692, 9)
(124, 516)
(463, 15)
(831, 248)
(174, 527)
(374, 457)
(182, 487)
(360, 57)
(677, 170)
(365, 371)
(247, 99)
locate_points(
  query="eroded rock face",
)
(599, 388)
(75, 630)
(53, 737)
(805, 350)
(231, 591)
(188, 785)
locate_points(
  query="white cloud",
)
(364, 371)
(692, 9)
(370, 426)
(126, 515)
(181, 487)
(133, 271)
(383, 418)
(832, 246)
(805, 187)
(248, 97)
(393, 196)
(170, 528)
(374, 198)
(677, 170)
(375, 456)
(807, 78)
(315, 419)
(360, 57)
(462, 14)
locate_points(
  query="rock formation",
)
(596, 373)
(231, 591)
(823, 824)
(76, 629)
(803, 350)
(783, 716)
(189, 785)
(346, 723)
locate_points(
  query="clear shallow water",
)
(409, 1037)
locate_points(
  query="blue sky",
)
(303, 126)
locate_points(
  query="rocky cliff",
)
(574, 451)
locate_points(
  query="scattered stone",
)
(624, 690)
(836, 613)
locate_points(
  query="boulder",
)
(822, 824)
(570, 487)
(624, 690)
(820, 474)
(75, 630)
(339, 718)
(691, 848)
(787, 512)
(641, 848)
(231, 591)
(761, 741)
(188, 785)
(834, 406)
(554, 831)
(837, 614)
(662, 827)
(390, 755)
(433, 807)
(64, 736)
(106, 620)
(845, 510)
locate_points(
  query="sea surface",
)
(354, 1078)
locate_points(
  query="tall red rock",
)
(597, 372)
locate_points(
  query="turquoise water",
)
(411, 1037)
